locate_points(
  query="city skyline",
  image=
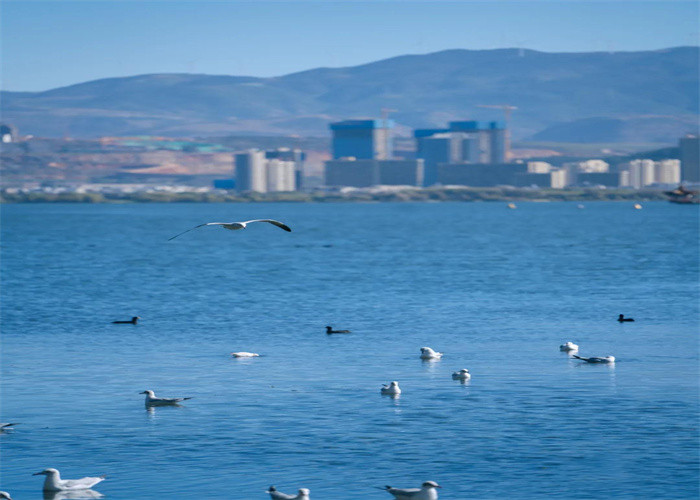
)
(49, 44)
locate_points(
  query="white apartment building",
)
(255, 172)
(641, 173)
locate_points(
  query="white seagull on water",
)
(244, 354)
(569, 346)
(428, 353)
(462, 374)
(427, 491)
(152, 400)
(278, 495)
(53, 481)
(392, 389)
(606, 359)
(233, 226)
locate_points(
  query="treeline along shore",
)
(407, 195)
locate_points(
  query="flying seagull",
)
(53, 481)
(233, 226)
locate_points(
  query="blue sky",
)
(49, 44)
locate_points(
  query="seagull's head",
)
(463, 370)
(426, 350)
(394, 384)
(431, 484)
(304, 492)
(611, 359)
(150, 394)
(46, 472)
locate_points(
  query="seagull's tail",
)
(185, 399)
(383, 488)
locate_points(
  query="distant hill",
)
(649, 96)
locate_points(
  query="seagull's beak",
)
(38, 473)
(144, 392)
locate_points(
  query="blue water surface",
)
(497, 290)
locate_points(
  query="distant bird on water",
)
(621, 318)
(244, 354)
(569, 346)
(606, 359)
(428, 353)
(427, 491)
(152, 400)
(462, 374)
(329, 330)
(53, 481)
(132, 321)
(233, 226)
(392, 389)
(278, 495)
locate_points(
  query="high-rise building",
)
(667, 172)
(251, 174)
(641, 172)
(295, 155)
(471, 142)
(255, 172)
(362, 139)
(690, 158)
(367, 173)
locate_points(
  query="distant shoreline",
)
(408, 195)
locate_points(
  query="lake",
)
(496, 290)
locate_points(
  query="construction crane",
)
(507, 110)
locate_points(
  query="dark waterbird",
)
(132, 321)
(329, 330)
(621, 318)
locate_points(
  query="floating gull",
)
(152, 400)
(569, 346)
(428, 491)
(428, 353)
(53, 481)
(233, 226)
(4, 494)
(606, 359)
(392, 389)
(132, 321)
(278, 495)
(329, 330)
(637, 206)
(512, 205)
(621, 318)
(462, 374)
(244, 354)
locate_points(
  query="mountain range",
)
(645, 96)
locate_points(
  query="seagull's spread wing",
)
(274, 222)
(195, 227)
